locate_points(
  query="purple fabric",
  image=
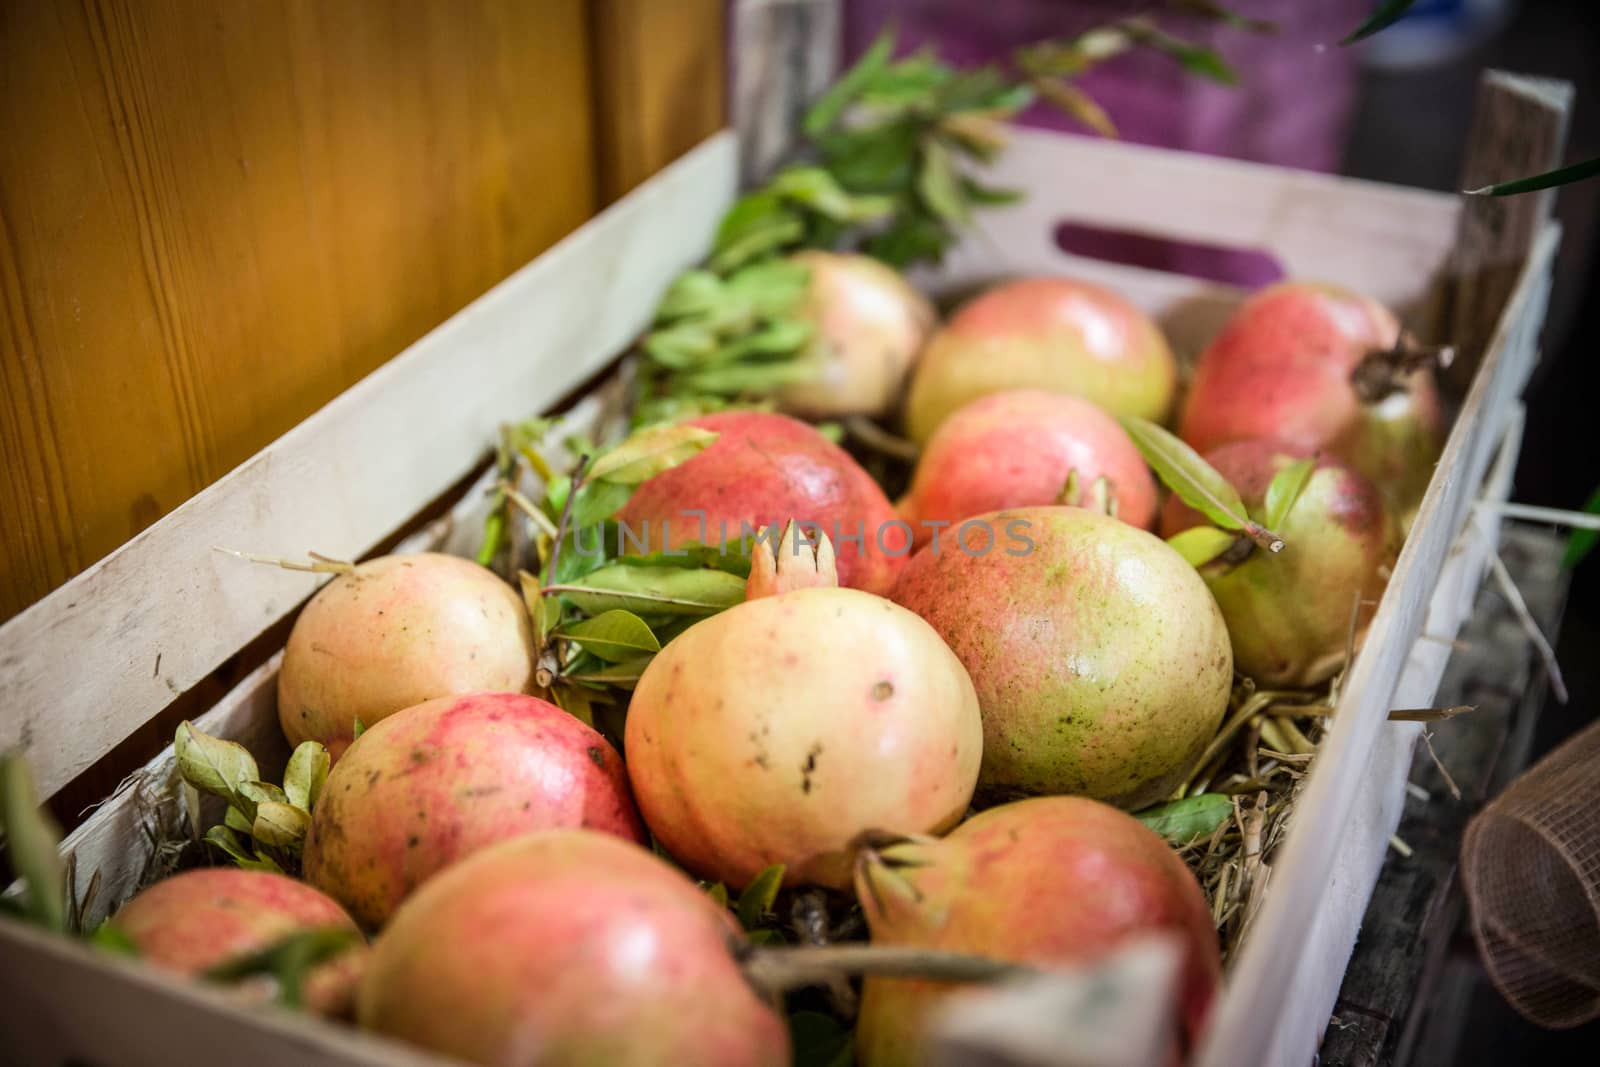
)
(1290, 108)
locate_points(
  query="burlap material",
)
(1531, 865)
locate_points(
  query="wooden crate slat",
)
(84, 667)
(1340, 790)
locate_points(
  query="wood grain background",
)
(215, 215)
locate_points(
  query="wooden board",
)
(88, 664)
(658, 84)
(216, 215)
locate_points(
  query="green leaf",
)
(876, 160)
(1182, 821)
(649, 452)
(1285, 490)
(1200, 545)
(938, 183)
(1581, 542)
(236, 820)
(780, 230)
(211, 764)
(614, 635)
(693, 557)
(774, 339)
(683, 344)
(832, 104)
(692, 293)
(494, 530)
(290, 960)
(752, 378)
(357, 728)
(819, 1040)
(757, 898)
(575, 702)
(820, 191)
(33, 843)
(226, 840)
(654, 590)
(1077, 104)
(305, 774)
(1207, 9)
(624, 674)
(718, 893)
(913, 238)
(596, 501)
(1589, 168)
(280, 826)
(1194, 58)
(1182, 470)
(770, 289)
(1387, 14)
(109, 937)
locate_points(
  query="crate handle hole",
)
(1247, 268)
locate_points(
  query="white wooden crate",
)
(107, 652)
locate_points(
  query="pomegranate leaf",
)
(575, 702)
(692, 294)
(728, 557)
(649, 452)
(594, 503)
(228, 841)
(1387, 14)
(1285, 490)
(1182, 470)
(1194, 58)
(831, 105)
(938, 183)
(656, 590)
(357, 727)
(1200, 545)
(290, 960)
(305, 774)
(280, 826)
(757, 899)
(740, 378)
(1581, 542)
(1077, 104)
(212, 764)
(820, 191)
(613, 636)
(109, 937)
(1183, 821)
(718, 894)
(236, 820)
(33, 843)
(624, 674)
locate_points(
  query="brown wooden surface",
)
(659, 84)
(215, 215)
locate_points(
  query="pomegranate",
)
(1314, 366)
(1018, 448)
(1101, 661)
(1057, 334)
(196, 920)
(870, 325)
(762, 470)
(1053, 880)
(396, 631)
(1289, 613)
(568, 947)
(438, 781)
(778, 730)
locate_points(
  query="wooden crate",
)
(110, 651)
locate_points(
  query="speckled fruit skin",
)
(1281, 368)
(778, 730)
(764, 469)
(1288, 614)
(1053, 880)
(396, 631)
(870, 326)
(440, 780)
(568, 949)
(193, 921)
(1055, 334)
(1015, 449)
(1101, 661)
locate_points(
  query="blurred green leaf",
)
(757, 899)
(1589, 168)
(1194, 58)
(648, 452)
(290, 960)
(1216, 12)
(1387, 14)
(1285, 489)
(109, 937)
(33, 843)
(740, 378)
(681, 345)
(1581, 542)
(718, 893)
(820, 191)
(692, 293)
(819, 1040)
(986, 196)
(831, 106)
(1077, 104)
(1183, 821)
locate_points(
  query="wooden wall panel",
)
(659, 84)
(217, 214)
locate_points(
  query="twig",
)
(319, 564)
(1450, 783)
(878, 439)
(1429, 714)
(778, 970)
(1577, 520)
(566, 513)
(1514, 597)
(517, 497)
